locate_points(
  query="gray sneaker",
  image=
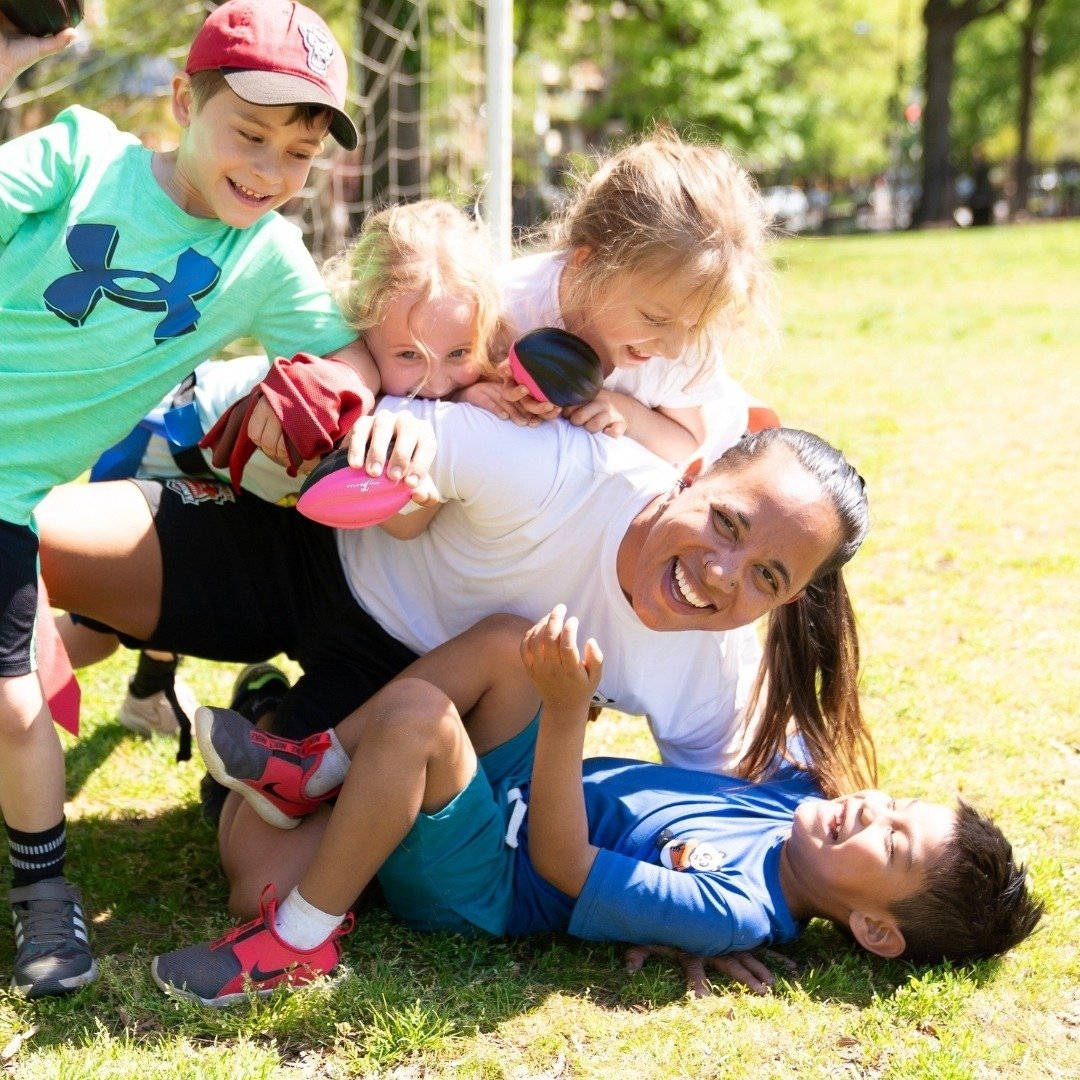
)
(52, 948)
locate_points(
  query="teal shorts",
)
(454, 871)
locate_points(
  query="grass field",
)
(946, 365)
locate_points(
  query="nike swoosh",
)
(258, 975)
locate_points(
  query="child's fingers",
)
(745, 968)
(413, 441)
(540, 640)
(357, 442)
(594, 658)
(513, 391)
(402, 455)
(265, 431)
(542, 410)
(568, 643)
(425, 493)
(384, 431)
(423, 453)
(553, 625)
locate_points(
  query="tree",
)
(1030, 48)
(944, 19)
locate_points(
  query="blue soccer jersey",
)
(687, 859)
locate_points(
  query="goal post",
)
(434, 101)
(499, 98)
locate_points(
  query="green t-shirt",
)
(110, 294)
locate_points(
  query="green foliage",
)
(986, 93)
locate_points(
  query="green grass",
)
(946, 364)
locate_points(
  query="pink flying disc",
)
(43, 18)
(346, 498)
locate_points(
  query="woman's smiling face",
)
(732, 546)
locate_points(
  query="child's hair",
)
(666, 207)
(432, 248)
(206, 84)
(974, 903)
(810, 667)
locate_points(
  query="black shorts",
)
(245, 580)
(18, 598)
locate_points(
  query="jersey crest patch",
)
(676, 854)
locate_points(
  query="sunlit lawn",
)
(946, 364)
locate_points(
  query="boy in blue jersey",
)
(120, 269)
(494, 824)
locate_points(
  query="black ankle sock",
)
(36, 855)
(152, 676)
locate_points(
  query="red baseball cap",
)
(276, 53)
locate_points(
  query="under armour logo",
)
(74, 296)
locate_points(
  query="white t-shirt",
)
(534, 517)
(531, 299)
(218, 384)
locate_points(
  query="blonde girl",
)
(419, 286)
(658, 260)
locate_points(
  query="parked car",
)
(788, 206)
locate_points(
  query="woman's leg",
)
(100, 555)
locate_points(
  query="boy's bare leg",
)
(480, 671)
(31, 758)
(84, 645)
(414, 763)
(412, 754)
(100, 554)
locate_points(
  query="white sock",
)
(302, 925)
(332, 770)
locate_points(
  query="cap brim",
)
(275, 88)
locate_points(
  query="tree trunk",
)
(944, 19)
(935, 205)
(1029, 61)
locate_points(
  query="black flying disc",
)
(43, 18)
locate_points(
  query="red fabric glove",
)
(316, 400)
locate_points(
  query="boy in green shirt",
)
(121, 269)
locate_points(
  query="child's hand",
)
(524, 408)
(489, 397)
(602, 414)
(534, 411)
(740, 967)
(566, 681)
(413, 450)
(18, 51)
(265, 431)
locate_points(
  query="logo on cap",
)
(320, 48)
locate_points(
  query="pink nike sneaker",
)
(249, 961)
(271, 773)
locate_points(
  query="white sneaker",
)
(154, 715)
